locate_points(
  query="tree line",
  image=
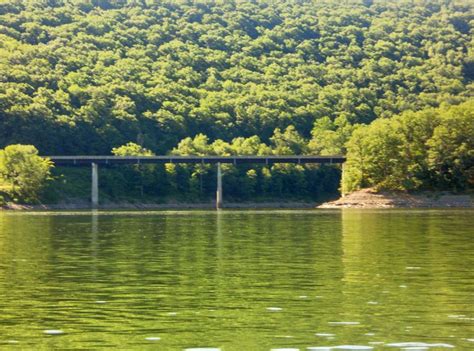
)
(101, 73)
(431, 149)
(306, 77)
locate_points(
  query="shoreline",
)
(362, 199)
(371, 199)
(159, 206)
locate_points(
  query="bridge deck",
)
(112, 160)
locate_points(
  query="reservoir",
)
(237, 280)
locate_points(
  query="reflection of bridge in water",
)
(95, 161)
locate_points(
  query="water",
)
(225, 281)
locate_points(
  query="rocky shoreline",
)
(368, 198)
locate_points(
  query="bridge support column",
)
(95, 186)
(219, 187)
(343, 193)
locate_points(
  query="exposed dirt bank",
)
(368, 198)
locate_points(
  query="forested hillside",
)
(243, 77)
(84, 76)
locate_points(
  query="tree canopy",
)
(24, 170)
(429, 149)
(103, 73)
(374, 79)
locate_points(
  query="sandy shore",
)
(368, 198)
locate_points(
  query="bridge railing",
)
(106, 160)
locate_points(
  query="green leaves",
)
(451, 148)
(429, 149)
(25, 171)
(168, 70)
(302, 76)
(131, 149)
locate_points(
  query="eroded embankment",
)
(368, 198)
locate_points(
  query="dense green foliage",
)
(101, 73)
(433, 149)
(24, 171)
(206, 77)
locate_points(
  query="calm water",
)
(237, 280)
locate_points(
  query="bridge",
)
(95, 161)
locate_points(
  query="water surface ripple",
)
(237, 280)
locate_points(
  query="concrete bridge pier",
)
(95, 186)
(219, 187)
(343, 194)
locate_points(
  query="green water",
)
(236, 280)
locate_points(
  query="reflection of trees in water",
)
(406, 261)
(221, 271)
(25, 246)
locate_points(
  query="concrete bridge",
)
(95, 161)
